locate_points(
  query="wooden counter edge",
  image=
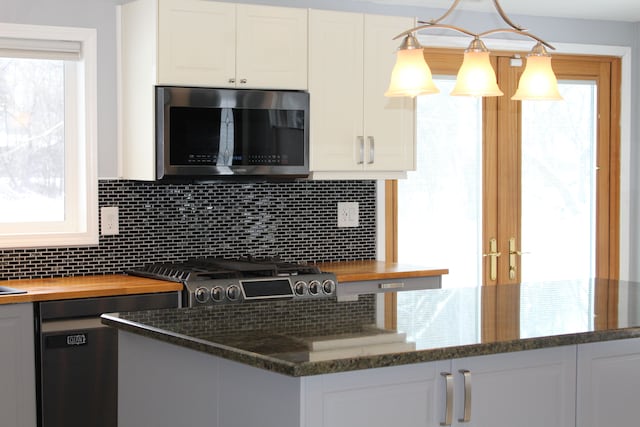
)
(52, 289)
(356, 271)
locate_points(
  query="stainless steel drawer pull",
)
(466, 417)
(395, 285)
(448, 409)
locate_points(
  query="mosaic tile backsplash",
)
(173, 222)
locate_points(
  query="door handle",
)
(361, 147)
(493, 262)
(466, 416)
(513, 252)
(372, 149)
(448, 410)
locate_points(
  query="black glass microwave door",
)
(268, 137)
(207, 136)
(195, 136)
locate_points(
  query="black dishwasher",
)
(78, 358)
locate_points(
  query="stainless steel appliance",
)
(78, 358)
(210, 281)
(205, 133)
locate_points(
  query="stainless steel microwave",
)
(204, 133)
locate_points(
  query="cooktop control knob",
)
(217, 293)
(202, 295)
(300, 287)
(314, 287)
(233, 292)
(328, 286)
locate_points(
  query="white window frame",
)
(80, 226)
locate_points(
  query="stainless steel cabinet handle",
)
(448, 409)
(466, 417)
(361, 145)
(372, 149)
(243, 81)
(232, 80)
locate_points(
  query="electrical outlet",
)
(109, 221)
(348, 214)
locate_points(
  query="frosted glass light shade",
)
(476, 76)
(538, 82)
(411, 75)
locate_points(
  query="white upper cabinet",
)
(203, 43)
(356, 132)
(196, 43)
(271, 47)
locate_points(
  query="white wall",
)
(101, 14)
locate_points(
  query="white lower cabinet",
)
(17, 366)
(404, 396)
(525, 389)
(608, 383)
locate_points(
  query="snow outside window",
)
(48, 178)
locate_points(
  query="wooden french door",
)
(506, 146)
(513, 197)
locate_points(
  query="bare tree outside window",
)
(32, 111)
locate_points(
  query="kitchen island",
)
(222, 375)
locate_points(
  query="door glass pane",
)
(440, 216)
(440, 204)
(559, 185)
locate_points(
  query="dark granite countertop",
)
(454, 323)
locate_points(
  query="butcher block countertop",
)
(356, 271)
(84, 287)
(120, 284)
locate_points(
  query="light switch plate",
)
(348, 214)
(109, 221)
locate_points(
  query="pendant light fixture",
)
(411, 75)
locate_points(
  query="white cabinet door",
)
(525, 389)
(336, 64)
(354, 128)
(389, 123)
(196, 43)
(17, 366)
(203, 43)
(162, 384)
(608, 383)
(271, 47)
(404, 396)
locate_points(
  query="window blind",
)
(68, 50)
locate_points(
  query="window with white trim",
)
(48, 178)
